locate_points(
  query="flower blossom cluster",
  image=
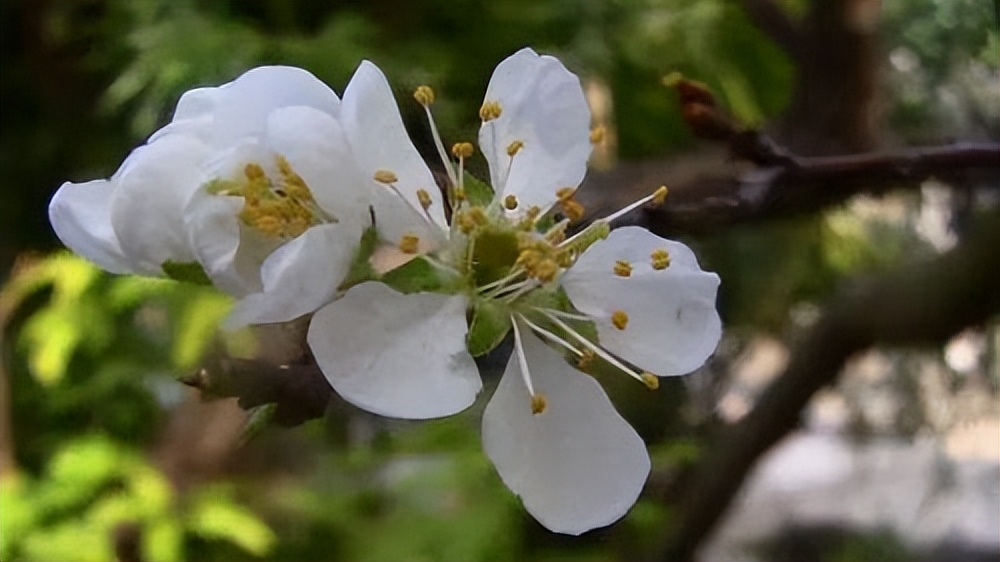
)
(299, 202)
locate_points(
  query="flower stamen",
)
(619, 319)
(659, 259)
(599, 351)
(425, 97)
(538, 402)
(597, 134)
(657, 198)
(387, 177)
(409, 243)
(651, 381)
(623, 268)
(490, 110)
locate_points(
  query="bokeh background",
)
(104, 455)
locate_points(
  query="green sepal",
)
(477, 193)
(187, 272)
(361, 268)
(415, 276)
(488, 327)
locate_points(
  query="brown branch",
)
(921, 304)
(300, 391)
(774, 22)
(781, 185)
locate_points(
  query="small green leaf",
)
(361, 270)
(414, 276)
(216, 516)
(186, 272)
(257, 420)
(489, 326)
(477, 192)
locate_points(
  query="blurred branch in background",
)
(923, 304)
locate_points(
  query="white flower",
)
(630, 298)
(134, 222)
(359, 164)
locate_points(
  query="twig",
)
(782, 184)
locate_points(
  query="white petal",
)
(80, 213)
(155, 183)
(300, 277)
(375, 130)
(315, 146)
(198, 102)
(543, 107)
(396, 355)
(230, 252)
(241, 107)
(578, 465)
(673, 324)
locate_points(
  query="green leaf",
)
(477, 192)
(257, 421)
(215, 516)
(489, 326)
(198, 320)
(361, 269)
(186, 272)
(414, 276)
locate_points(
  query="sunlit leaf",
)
(215, 516)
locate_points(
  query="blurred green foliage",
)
(91, 358)
(93, 487)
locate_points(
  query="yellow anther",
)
(546, 270)
(533, 212)
(510, 202)
(471, 219)
(254, 172)
(651, 381)
(424, 198)
(573, 210)
(462, 149)
(539, 403)
(557, 234)
(292, 182)
(660, 259)
(586, 358)
(565, 193)
(514, 147)
(623, 268)
(597, 134)
(660, 195)
(458, 194)
(490, 110)
(409, 243)
(424, 95)
(620, 319)
(385, 176)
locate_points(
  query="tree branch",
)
(917, 305)
(782, 184)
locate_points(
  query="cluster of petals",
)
(578, 465)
